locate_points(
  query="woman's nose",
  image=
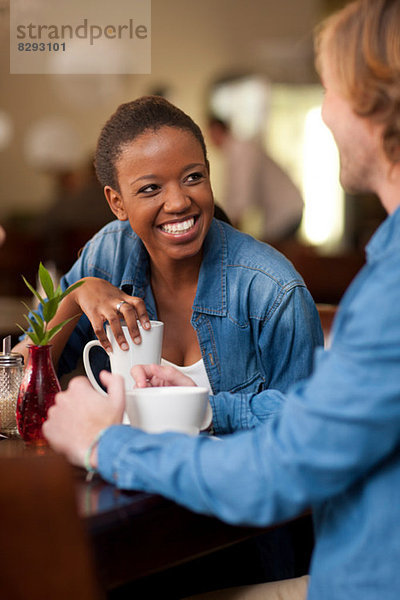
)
(176, 199)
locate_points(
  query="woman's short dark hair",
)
(132, 119)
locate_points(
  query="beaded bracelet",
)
(89, 451)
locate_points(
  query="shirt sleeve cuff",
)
(111, 444)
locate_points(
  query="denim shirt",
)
(256, 323)
(333, 444)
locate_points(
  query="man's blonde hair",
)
(361, 43)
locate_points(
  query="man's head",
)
(360, 46)
(358, 57)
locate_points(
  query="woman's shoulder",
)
(262, 260)
(115, 236)
(114, 230)
(111, 245)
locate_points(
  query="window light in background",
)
(323, 220)
(303, 145)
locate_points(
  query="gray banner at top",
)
(80, 37)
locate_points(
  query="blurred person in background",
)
(256, 185)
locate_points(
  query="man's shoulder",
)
(370, 308)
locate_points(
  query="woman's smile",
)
(180, 228)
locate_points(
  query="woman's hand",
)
(101, 301)
(158, 376)
(80, 413)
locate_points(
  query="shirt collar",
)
(211, 288)
(385, 238)
(135, 276)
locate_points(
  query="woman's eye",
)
(148, 189)
(194, 177)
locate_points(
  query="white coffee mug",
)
(145, 353)
(158, 409)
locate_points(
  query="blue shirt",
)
(334, 445)
(256, 323)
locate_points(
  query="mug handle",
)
(88, 368)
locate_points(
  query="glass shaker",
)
(11, 371)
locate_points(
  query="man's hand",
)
(80, 413)
(158, 376)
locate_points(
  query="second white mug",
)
(157, 409)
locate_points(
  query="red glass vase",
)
(37, 392)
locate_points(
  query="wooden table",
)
(133, 534)
(136, 534)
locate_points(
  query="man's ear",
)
(116, 203)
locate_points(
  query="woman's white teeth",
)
(180, 227)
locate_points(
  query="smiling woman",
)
(236, 314)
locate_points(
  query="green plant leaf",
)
(38, 319)
(71, 288)
(34, 315)
(29, 321)
(21, 328)
(34, 338)
(27, 318)
(36, 328)
(50, 309)
(38, 331)
(46, 281)
(40, 336)
(52, 332)
(32, 289)
(28, 308)
(30, 334)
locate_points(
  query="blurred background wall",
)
(193, 44)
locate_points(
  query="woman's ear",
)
(116, 203)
